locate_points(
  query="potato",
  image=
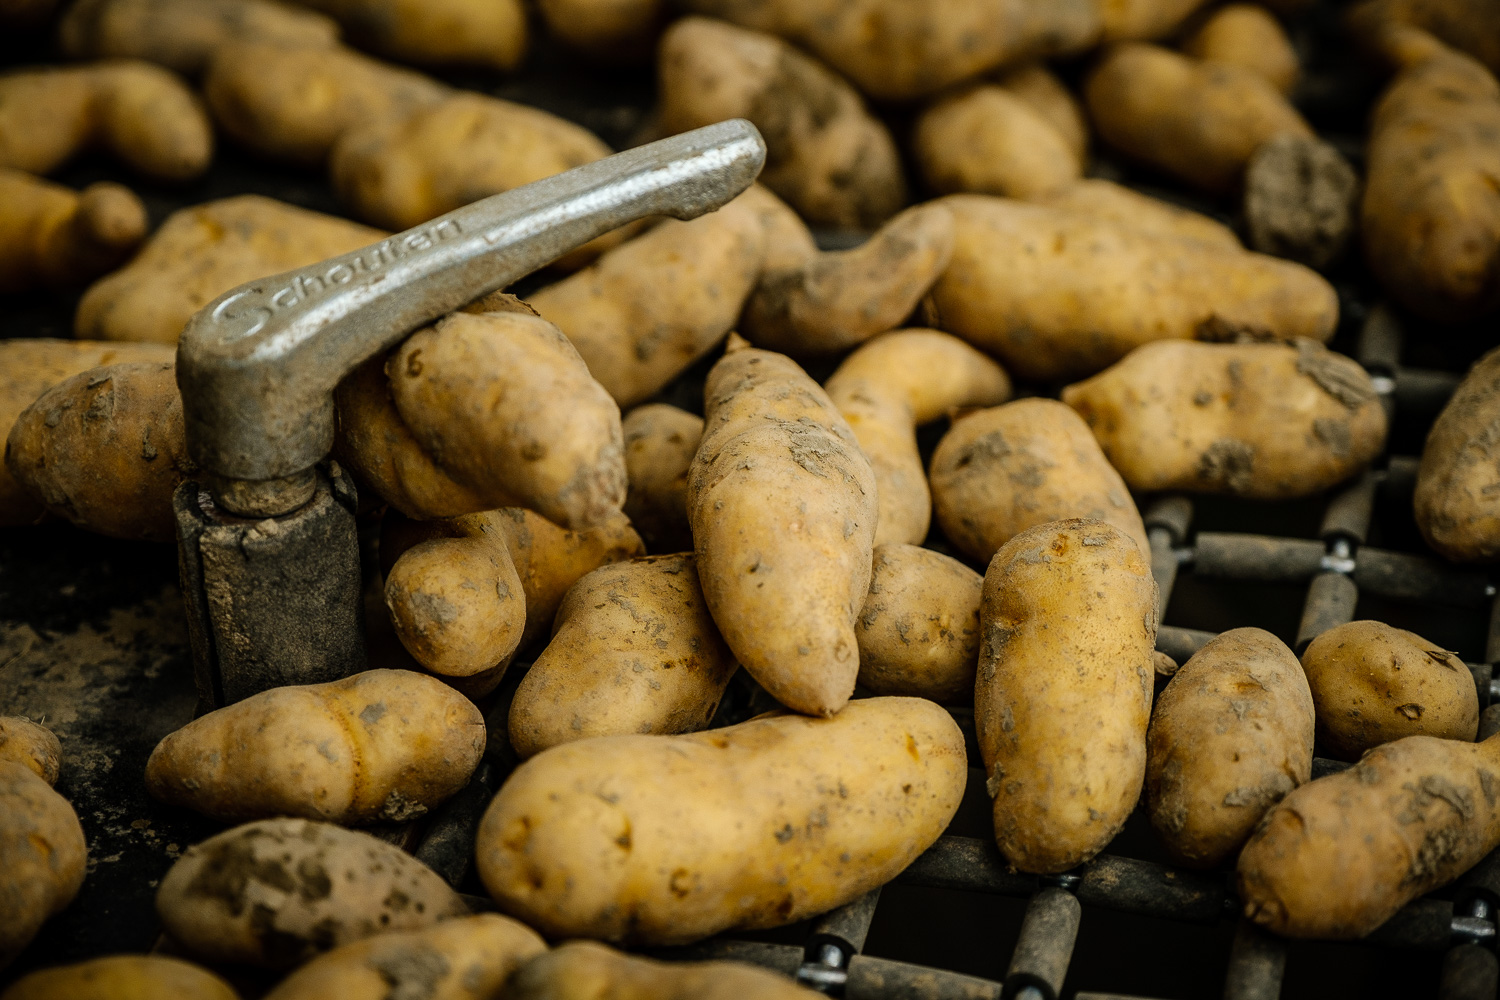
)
(480, 33)
(106, 449)
(826, 303)
(826, 154)
(200, 253)
(1197, 120)
(918, 632)
(611, 30)
(182, 35)
(1046, 95)
(42, 855)
(1144, 19)
(1231, 734)
(122, 977)
(1115, 203)
(1457, 497)
(139, 113)
(889, 387)
(668, 839)
(1300, 196)
(896, 50)
(1339, 856)
(1248, 36)
(1431, 212)
(1055, 294)
(782, 504)
(466, 958)
(53, 236)
(585, 970)
(1000, 471)
(648, 309)
(1470, 25)
(504, 403)
(633, 650)
(989, 140)
(278, 892)
(36, 747)
(1374, 684)
(380, 746)
(31, 366)
(659, 444)
(1268, 421)
(1063, 693)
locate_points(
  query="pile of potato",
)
(1079, 343)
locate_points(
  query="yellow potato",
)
(1143, 19)
(890, 387)
(1248, 36)
(1000, 471)
(990, 140)
(466, 958)
(122, 977)
(1340, 855)
(782, 504)
(486, 33)
(1056, 294)
(278, 892)
(1230, 736)
(1269, 421)
(585, 970)
(1374, 684)
(200, 253)
(42, 856)
(918, 632)
(633, 650)
(668, 839)
(1115, 203)
(612, 30)
(1457, 498)
(1063, 693)
(36, 747)
(1045, 94)
(1470, 25)
(52, 236)
(659, 444)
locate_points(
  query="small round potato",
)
(918, 632)
(1375, 684)
(24, 742)
(1248, 36)
(989, 140)
(42, 856)
(585, 969)
(659, 444)
(123, 977)
(277, 892)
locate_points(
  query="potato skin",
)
(586, 970)
(485, 33)
(782, 503)
(1049, 97)
(1120, 205)
(616, 31)
(123, 977)
(52, 236)
(32, 746)
(633, 650)
(106, 449)
(42, 856)
(1002, 470)
(1470, 25)
(1268, 421)
(1027, 281)
(918, 632)
(466, 958)
(660, 440)
(989, 140)
(1458, 483)
(889, 387)
(1375, 684)
(668, 839)
(1248, 36)
(1230, 735)
(1339, 856)
(382, 745)
(1144, 19)
(278, 892)
(1063, 693)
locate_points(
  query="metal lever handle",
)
(257, 366)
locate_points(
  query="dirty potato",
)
(989, 140)
(477, 33)
(1248, 36)
(659, 444)
(1117, 204)
(587, 969)
(36, 747)
(1049, 97)
(1457, 498)
(54, 237)
(918, 632)
(122, 977)
(42, 855)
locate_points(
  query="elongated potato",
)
(782, 504)
(1000, 471)
(1195, 119)
(1230, 736)
(466, 958)
(1470, 25)
(52, 236)
(1457, 498)
(481, 33)
(586, 970)
(122, 977)
(668, 839)
(1248, 36)
(1115, 203)
(1063, 693)
(36, 747)
(31, 366)
(1049, 97)
(648, 309)
(989, 140)
(1374, 684)
(382, 745)
(1270, 421)
(825, 153)
(659, 444)
(1340, 855)
(633, 650)
(278, 892)
(200, 253)
(1055, 294)
(918, 632)
(1144, 19)
(890, 387)
(617, 31)
(42, 855)
(106, 449)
